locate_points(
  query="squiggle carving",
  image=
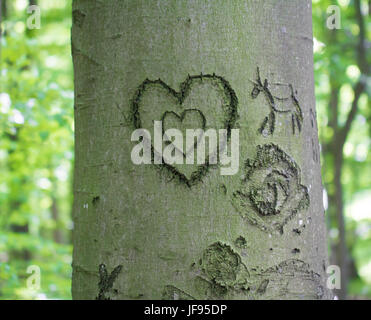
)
(221, 274)
(270, 193)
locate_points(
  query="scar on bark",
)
(95, 201)
(106, 281)
(271, 192)
(173, 293)
(240, 242)
(263, 286)
(78, 17)
(286, 276)
(220, 272)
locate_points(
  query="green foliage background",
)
(36, 146)
(36, 151)
(338, 71)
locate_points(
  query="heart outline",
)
(185, 87)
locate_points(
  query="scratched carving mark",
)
(315, 151)
(286, 104)
(173, 293)
(220, 273)
(271, 192)
(290, 279)
(203, 101)
(315, 146)
(313, 118)
(106, 281)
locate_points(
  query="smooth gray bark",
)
(155, 231)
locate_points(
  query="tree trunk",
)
(3, 15)
(340, 254)
(155, 231)
(3, 8)
(342, 258)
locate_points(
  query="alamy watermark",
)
(168, 147)
(34, 20)
(34, 280)
(333, 21)
(334, 278)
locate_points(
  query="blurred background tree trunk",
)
(2, 17)
(3, 8)
(335, 147)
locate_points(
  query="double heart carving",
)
(203, 101)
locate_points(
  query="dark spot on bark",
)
(223, 188)
(295, 251)
(221, 264)
(241, 242)
(78, 17)
(95, 201)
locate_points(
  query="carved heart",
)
(189, 118)
(203, 102)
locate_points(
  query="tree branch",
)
(360, 86)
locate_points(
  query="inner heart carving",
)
(171, 119)
(203, 102)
